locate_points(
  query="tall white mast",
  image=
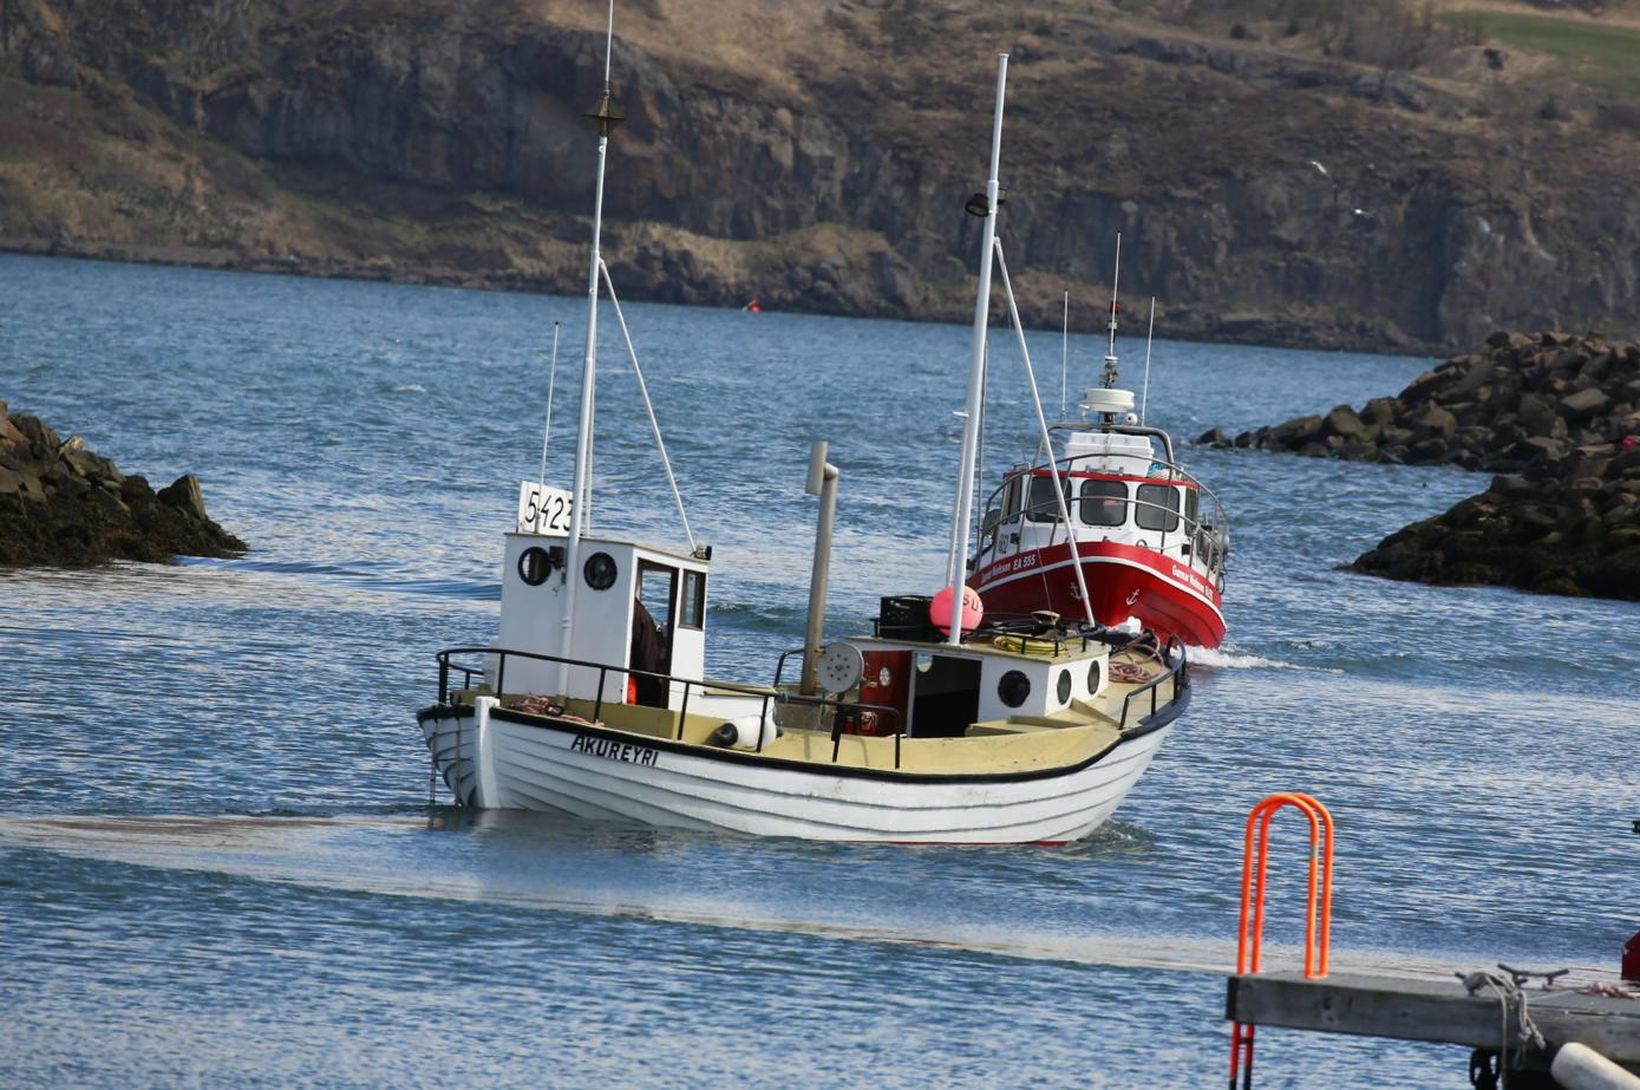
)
(607, 115)
(956, 566)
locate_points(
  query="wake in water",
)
(410, 857)
(1220, 659)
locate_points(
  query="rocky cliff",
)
(1267, 187)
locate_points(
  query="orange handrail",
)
(1318, 914)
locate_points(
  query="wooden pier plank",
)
(1431, 1010)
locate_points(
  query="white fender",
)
(1579, 1067)
(485, 795)
(744, 731)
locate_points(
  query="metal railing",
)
(842, 713)
(1173, 655)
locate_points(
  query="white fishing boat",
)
(594, 701)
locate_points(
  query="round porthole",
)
(1014, 688)
(1093, 677)
(534, 566)
(600, 571)
(1064, 686)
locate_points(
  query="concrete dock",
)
(1603, 1016)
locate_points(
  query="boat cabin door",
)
(654, 627)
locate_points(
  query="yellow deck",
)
(1019, 743)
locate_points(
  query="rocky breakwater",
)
(1553, 416)
(60, 504)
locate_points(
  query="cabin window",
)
(1158, 507)
(1191, 502)
(1010, 500)
(600, 571)
(1103, 503)
(534, 565)
(656, 586)
(1044, 505)
(1014, 688)
(692, 611)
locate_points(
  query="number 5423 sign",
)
(543, 509)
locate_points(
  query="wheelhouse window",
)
(1043, 505)
(693, 607)
(1158, 507)
(1103, 503)
(1010, 500)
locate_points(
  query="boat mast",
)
(606, 115)
(956, 566)
(552, 381)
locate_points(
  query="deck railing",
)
(843, 713)
(1173, 656)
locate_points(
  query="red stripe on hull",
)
(1123, 581)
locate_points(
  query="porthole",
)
(1064, 686)
(534, 565)
(1014, 688)
(1093, 677)
(600, 571)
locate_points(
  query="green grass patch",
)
(1604, 57)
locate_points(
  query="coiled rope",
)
(1508, 991)
(1140, 652)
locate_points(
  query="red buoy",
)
(972, 610)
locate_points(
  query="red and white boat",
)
(1151, 539)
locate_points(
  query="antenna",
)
(1064, 353)
(552, 378)
(1144, 398)
(1109, 376)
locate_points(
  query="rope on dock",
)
(1507, 991)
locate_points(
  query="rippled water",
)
(218, 868)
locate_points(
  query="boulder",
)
(1536, 415)
(1585, 404)
(1343, 422)
(1431, 420)
(1295, 433)
(1213, 437)
(63, 505)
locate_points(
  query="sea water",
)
(218, 865)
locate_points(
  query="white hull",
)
(613, 776)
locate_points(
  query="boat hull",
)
(1123, 581)
(528, 763)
